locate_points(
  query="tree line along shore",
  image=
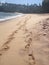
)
(33, 8)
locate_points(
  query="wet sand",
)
(25, 40)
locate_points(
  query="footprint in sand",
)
(3, 49)
(31, 59)
(47, 19)
(5, 46)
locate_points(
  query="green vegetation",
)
(8, 7)
(45, 6)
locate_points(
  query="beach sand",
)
(25, 40)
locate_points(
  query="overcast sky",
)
(22, 1)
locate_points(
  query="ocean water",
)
(5, 16)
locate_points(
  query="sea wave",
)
(10, 17)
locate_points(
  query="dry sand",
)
(25, 40)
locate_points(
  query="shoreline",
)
(11, 17)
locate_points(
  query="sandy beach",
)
(25, 40)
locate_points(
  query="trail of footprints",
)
(27, 49)
(28, 41)
(6, 46)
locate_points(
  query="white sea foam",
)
(11, 17)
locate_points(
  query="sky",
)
(23, 1)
